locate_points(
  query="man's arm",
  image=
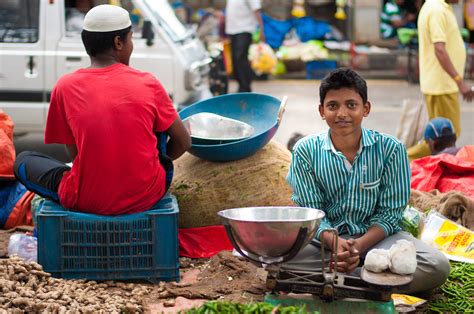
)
(374, 235)
(393, 196)
(447, 65)
(306, 191)
(180, 140)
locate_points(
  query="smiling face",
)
(343, 109)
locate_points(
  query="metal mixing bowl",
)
(271, 232)
(208, 128)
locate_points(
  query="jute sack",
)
(204, 187)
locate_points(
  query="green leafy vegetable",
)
(458, 291)
(213, 307)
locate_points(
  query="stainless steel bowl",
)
(271, 232)
(210, 128)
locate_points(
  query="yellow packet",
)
(452, 239)
(404, 299)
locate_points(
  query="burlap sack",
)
(203, 187)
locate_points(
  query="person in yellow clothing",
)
(442, 56)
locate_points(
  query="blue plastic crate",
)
(142, 246)
(317, 70)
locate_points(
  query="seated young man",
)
(441, 137)
(108, 115)
(360, 178)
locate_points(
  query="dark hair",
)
(99, 42)
(447, 139)
(343, 78)
(293, 139)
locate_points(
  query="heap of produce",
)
(251, 308)
(456, 295)
(25, 286)
(262, 58)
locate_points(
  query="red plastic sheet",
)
(445, 172)
(203, 242)
(7, 150)
(21, 214)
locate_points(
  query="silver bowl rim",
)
(321, 212)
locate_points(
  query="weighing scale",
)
(271, 236)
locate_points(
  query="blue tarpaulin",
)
(307, 28)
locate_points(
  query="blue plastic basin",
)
(258, 110)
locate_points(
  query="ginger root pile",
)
(25, 287)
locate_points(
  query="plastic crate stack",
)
(141, 246)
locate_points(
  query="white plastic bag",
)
(412, 122)
(400, 258)
(403, 257)
(377, 260)
(23, 245)
(262, 58)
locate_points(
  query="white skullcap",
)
(106, 18)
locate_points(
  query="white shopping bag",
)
(412, 122)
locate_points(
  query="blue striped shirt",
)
(374, 190)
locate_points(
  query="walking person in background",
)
(242, 18)
(442, 56)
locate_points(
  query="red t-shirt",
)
(110, 114)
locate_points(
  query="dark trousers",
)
(240, 44)
(40, 173)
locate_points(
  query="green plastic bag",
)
(412, 221)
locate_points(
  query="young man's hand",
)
(348, 257)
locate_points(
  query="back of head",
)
(295, 137)
(440, 133)
(101, 25)
(343, 78)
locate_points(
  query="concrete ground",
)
(301, 113)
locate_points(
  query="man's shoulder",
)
(432, 7)
(70, 79)
(79, 76)
(386, 143)
(384, 137)
(311, 142)
(128, 70)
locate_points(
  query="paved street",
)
(301, 113)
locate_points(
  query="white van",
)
(40, 41)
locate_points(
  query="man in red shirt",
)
(109, 116)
